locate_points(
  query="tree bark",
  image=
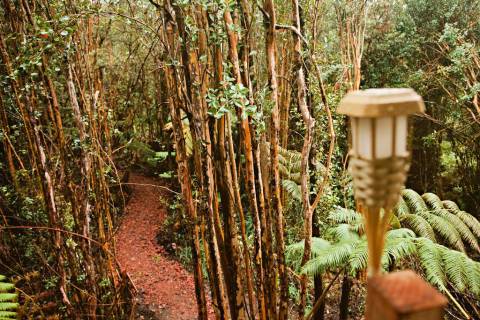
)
(345, 298)
(276, 203)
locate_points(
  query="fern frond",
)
(294, 252)
(342, 215)
(431, 260)
(318, 245)
(7, 300)
(450, 205)
(401, 208)
(8, 315)
(342, 232)
(397, 249)
(6, 286)
(414, 201)
(7, 297)
(4, 306)
(359, 257)
(466, 217)
(293, 189)
(472, 276)
(333, 257)
(454, 268)
(447, 231)
(346, 216)
(470, 221)
(291, 159)
(401, 233)
(432, 200)
(419, 225)
(461, 227)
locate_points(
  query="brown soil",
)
(167, 290)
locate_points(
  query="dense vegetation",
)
(234, 103)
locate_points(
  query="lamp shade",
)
(379, 121)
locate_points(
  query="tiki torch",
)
(379, 162)
(379, 159)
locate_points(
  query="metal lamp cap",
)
(384, 102)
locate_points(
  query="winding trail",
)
(165, 287)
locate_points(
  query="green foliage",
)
(432, 46)
(232, 96)
(293, 189)
(438, 220)
(424, 220)
(442, 266)
(7, 300)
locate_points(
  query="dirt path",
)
(166, 287)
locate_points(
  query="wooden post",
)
(403, 296)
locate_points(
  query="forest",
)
(186, 159)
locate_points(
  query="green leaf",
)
(293, 189)
(447, 231)
(414, 201)
(332, 257)
(431, 261)
(419, 225)
(7, 297)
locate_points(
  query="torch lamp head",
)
(379, 158)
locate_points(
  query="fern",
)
(467, 218)
(447, 231)
(342, 232)
(419, 225)
(342, 215)
(293, 189)
(358, 259)
(318, 245)
(332, 257)
(470, 221)
(454, 268)
(353, 219)
(7, 300)
(398, 248)
(433, 201)
(294, 252)
(401, 209)
(461, 227)
(291, 159)
(414, 201)
(441, 264)
(429, 216)
(431, 261)
(450, 205)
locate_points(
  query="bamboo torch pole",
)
(379, 162)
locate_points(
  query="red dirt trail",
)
(167, 288)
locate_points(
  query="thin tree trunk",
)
(305, 176)
(184, 175)
(7, 146)
(236, 294)
(184, 180)
(345, 298)
(318, 285)
(276, 203)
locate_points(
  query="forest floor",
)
(166, 289)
